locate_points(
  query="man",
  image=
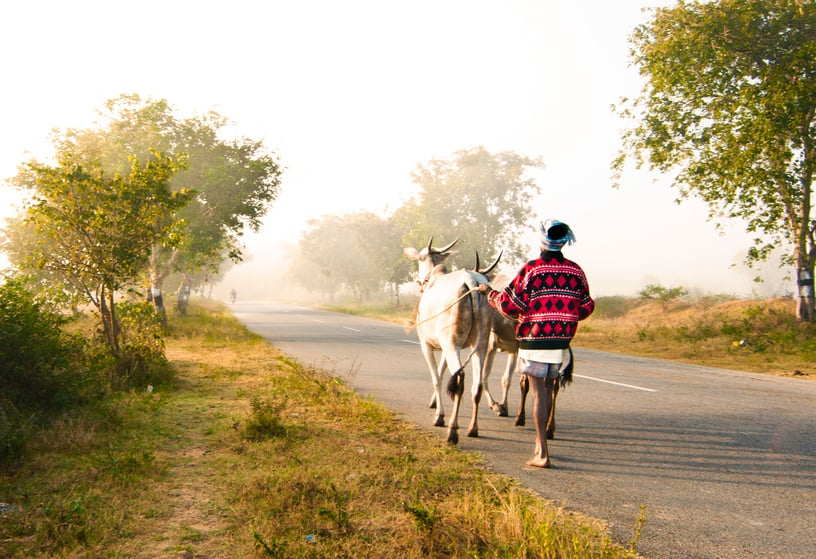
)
(547, 298)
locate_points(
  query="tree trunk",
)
(159, 270)
(807, 304)
(183, 295)
(109, 321)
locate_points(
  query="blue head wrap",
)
(555, 234)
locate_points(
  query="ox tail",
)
(456, 384)
(566, 373)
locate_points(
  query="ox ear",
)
(411, 253)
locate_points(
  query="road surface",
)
(724, 462)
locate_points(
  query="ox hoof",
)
(550, 436)
(439, 421)
(453, 437)
(500, 410)
(473, 433)
(520, 422)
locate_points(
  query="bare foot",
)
(539, 462)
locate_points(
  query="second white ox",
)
(450, 316)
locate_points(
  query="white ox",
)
(450, 316)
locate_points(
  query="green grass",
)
(249, 454)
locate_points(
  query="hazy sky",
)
(353, 94)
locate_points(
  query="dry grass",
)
(751, 335)
(252, 455)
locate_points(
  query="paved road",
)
(723, 462)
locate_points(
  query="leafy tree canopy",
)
(94, 228)
(728, 107)
(234, 180)
(482, 198)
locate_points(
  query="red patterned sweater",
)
(548, 297)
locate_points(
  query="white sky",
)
(353, 94)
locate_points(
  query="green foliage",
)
(41, 364)
(638, 529)
(662, 294)
(142, 361)
(234, 180)
(265, 422)
(729, 108)
(94, 229)
(482, 198)
(424, 518)
(337, 510)
(13, 431)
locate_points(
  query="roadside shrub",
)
(41, 363)
(12, 431)
(265, 421)
(142, 360)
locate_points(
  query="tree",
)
(95, 229)
(479, 197)
(729, 106)
(359, 252)
(234, 180)
(664, 295)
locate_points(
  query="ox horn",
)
(441, 250)
(490, 268)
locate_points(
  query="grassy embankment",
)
(760, 336)
(249, 454)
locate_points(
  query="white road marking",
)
(352, 329)
(410, 342)
(618, 383)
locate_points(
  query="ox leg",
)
(432, 403)
(476, 392)
(456, 387)
(551, 420)
(512, 358)
(524, 386)
(436, 380)
(491, 402)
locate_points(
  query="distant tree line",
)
(482, 198)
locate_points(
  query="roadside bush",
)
(142, 360)
(42, 363)
(41, 366)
